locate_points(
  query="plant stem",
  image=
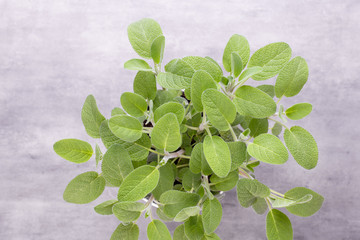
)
(233, 133)
(277, 193)
(191, 127)
(268, 203)
(184, 156)
(183, 165)
(279, 123)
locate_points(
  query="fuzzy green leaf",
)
(117, 111)
(138, 183)
(253, 102)
(200, 63)
(73, 150)
(166, 133)
(128, 211)
(166, 181)
(276, 129)
(91, 117)
(126, 232)
(157, 49)
(185, 213)
(201, 81)
(173, 81)
(142, 34)
(125, 127)
(211, 215)
(260, 206)
(174, 201)
(304, 209)
(194, 229)
(269, 149)
(84, 188)
(302, 147)
(219, 109)
(298, 111)
(158, 230)
(198, 162)
(250, 189)
(170, 107)
(217, 154)
(272, 58)
(292, 78)
(191, 181)
(179, 233)
(268, 89)
(279, 202)
(278, 226)
(239, 45)
(258, 126)
(236, 64)
(105, 208)
(98, 154)
(248, 73)
(134, 104)
(145, 85)
(224, 184)
(116, 165)
(238, 154)
(137, 65)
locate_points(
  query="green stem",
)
(184, 165)
(279, 123)
(268, 203)
(232, 133)
(277, 193)
(191, 127)
(184, 156)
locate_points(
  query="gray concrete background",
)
(54, 53)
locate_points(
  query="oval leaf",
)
(258, 126)
(298, 111)
(305, 209)
(185, 213)
(198, 162)
(236, 64)
(166, 181)
(278, 226)
(170, 107)
(302, 147)
(200, 81)
(224, 184)
(134, 104)
(238, 154)
(145, 85)
(129, 231)
(173, 81)
(174, 201)
(125, 127)
(211, 215)
(157, 49)
(105, 208)
(179, 233)
(137, 64)
(239, 45)
(248, 73)
(248, 190)
(128, 211)
(200, 63)
(73, 150)
(194, 229)
(91, 117)
(158, 230)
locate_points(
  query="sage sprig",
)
(172, 152)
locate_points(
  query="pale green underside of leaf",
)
(116, 165)
(128, 211)
(276, 129)
(142, 34)
(137, 65)
(236, 64)
(157, 49)
(253, 102)
(73, 150)
(134, 104)
(305, 209)
(302, 147)
(260, 206)
(250, 189)
(219, 109)
(217, 155)
(166, 133)
(126, 232)
(185, 213)
(298, 111)
(278, 226)
(174, 201)
(211, 215)
(200, 63)
(91, 117)
(138, 183)
(272, 58)
(105, 208)
(249, 72)
(126, 128)
(284, 202)
(145, 85)
(238, 44)
(170, 107)
(98, 154)
(84, 188)
(269, 149)
(292, 78)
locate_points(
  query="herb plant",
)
(175, 150)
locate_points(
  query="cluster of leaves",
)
(203, 133)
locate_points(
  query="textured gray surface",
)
(54, 53)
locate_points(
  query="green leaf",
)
(138, 183)
(194, 229)
(137, 65)
(191, 181)
(211, 215)
(276, 129)
(173, 81)
(73, 150)
(166, 181)
(258, 126)
(185, 213)
(116, 111)
(157, 49)
(292, 78)
(91, 117)
(268, 89)
(238, 154)
(125, 127)
(166, 133)
(253, 102)
(84, 188)
(200, 63)
(217, 154)
(174, 201)
(134, 104)
(305, 209)
(260, 206)
(170, 107)
(248, 73)
(279, 202)
(298, 111)
(142, 34)
(116, 165)
(198, 162)
(302, 147)
(278, 226)
(236, 64)
(164, 96)
(272, 58)
(128, 211)
(269, 149)
(105, 208)
(98, 154)
(219, 109)
(224, 184)
(126, 232)
(179, 233)
(239, 45)
(201, 81)
(211, 236)
(157, 230)
(145, 85)
(250, 189)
